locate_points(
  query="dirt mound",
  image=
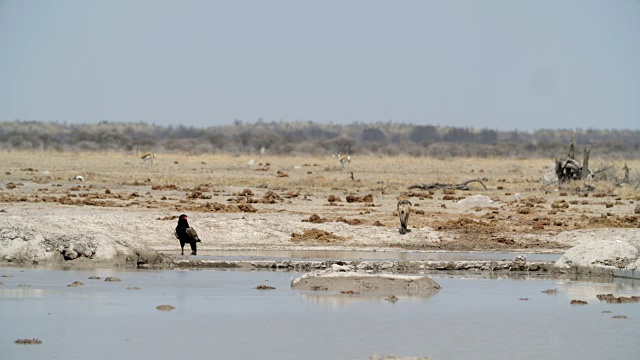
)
(164, 187)
(270, 198)
(316, 219)
(231, 208)
(366, 198)
(316, 235)
(197, 194)
(350, 221)
(468, 225)
(614, 221)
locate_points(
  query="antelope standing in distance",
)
(404, 209)
(344, 160)
(147, 157)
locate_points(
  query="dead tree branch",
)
(461, 186)
(568, 168)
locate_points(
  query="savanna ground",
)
(309, 202)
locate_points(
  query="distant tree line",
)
(301, 137)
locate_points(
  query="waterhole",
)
(220, 314)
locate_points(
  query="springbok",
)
(344, 160)
(148, 157)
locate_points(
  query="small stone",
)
(165, 307)
(265, 287)
(604, 297)
(33, 341)
(112, 279)
(392, 299)
(619, 317)
(578, 302)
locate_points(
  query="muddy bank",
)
(407, 267)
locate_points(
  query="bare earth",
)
(292, 203)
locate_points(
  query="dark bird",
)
(186, 234)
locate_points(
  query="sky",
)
(494, 64)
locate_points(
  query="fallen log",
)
(437, 185)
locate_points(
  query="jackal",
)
(404, 209)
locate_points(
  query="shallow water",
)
(366, 255)
(220, 315)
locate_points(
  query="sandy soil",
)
(293, 203)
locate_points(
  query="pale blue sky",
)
(497, 64)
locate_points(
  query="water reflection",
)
(337, 300)
(21, 293)
(588, 291)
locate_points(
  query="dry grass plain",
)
(524, 215)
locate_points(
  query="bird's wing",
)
(191, 232)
